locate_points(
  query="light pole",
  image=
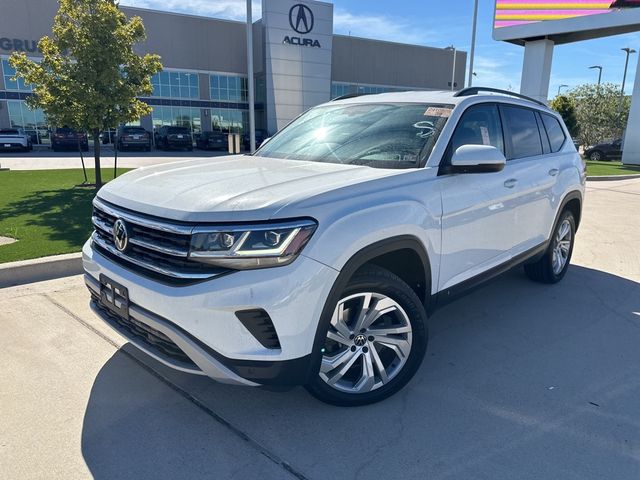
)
(453, 70)
(250, 85)
(629, 51)
(599, 67)
(472, 53)
(560, 87)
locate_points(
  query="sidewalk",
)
(48, 160)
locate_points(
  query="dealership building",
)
(298, 63)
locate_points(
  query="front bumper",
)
(200, 319)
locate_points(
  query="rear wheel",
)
(596, 156)
(552, 267)
(374, 343)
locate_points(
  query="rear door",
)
(534, 168)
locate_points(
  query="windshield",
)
(381, 135)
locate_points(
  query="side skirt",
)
(450, 294)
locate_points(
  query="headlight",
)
(251, 246)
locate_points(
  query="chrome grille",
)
(158, 249)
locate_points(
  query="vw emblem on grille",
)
(360, 340)
(120, 235)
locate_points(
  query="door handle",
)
(510, 183)
(554, 171)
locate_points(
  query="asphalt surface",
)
(521, 380)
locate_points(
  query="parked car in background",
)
(174, 137)
(213, 141)
(261, 136)
(606, 150)
(133, 137)
(65, 138)
(108, 136)
(15, 139)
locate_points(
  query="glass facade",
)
(339, 89)
(8, 72)
(229, 120)
(32, 121)
(178, 116)
(176, 85)
(228, 88)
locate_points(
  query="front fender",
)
(348, 233)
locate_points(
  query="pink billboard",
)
(521, 12)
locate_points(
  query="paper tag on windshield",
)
(438, 112)
(484, 131)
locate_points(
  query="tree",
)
(89, 75)
(564, 106)
(599, 111)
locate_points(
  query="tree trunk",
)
(96, 156)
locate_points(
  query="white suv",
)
(316, 260)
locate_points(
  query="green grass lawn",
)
(611, 168)
(47, 211)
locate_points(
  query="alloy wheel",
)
(562, 246)
(367, 344)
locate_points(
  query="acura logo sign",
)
(301, 18)
(120, 235)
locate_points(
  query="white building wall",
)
(297, 76)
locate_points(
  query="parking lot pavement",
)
(521, 380)
(47, 160)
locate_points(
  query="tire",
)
(597, 156)
(404, 312)
(547, 269)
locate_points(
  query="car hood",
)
(233, 188)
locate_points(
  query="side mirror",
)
(477, 159)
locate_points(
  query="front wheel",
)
(374, 343)
(552, 267)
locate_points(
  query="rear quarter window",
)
(555, 132)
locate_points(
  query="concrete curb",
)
(39, 269)
(603, 178)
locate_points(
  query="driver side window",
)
(479, 125)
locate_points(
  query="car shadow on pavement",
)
(521, 380)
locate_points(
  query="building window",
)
(228, 88)
(31, 121)
(8, 72)
(177, 116)
(340, 89)
(229, 120)
(176, 85)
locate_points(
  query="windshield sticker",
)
(438, 112)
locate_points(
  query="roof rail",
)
(466, 92)
(349, 95)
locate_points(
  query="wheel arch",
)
(385, 253)
(573, 202)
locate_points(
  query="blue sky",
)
(430, 22)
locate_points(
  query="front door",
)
(478, 209)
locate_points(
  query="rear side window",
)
(523, 130)
(479, 125)
(554, 131)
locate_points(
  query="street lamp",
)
(473, 42)
(453, 71)
(629, 51)
(560, 87)
(599, 67)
